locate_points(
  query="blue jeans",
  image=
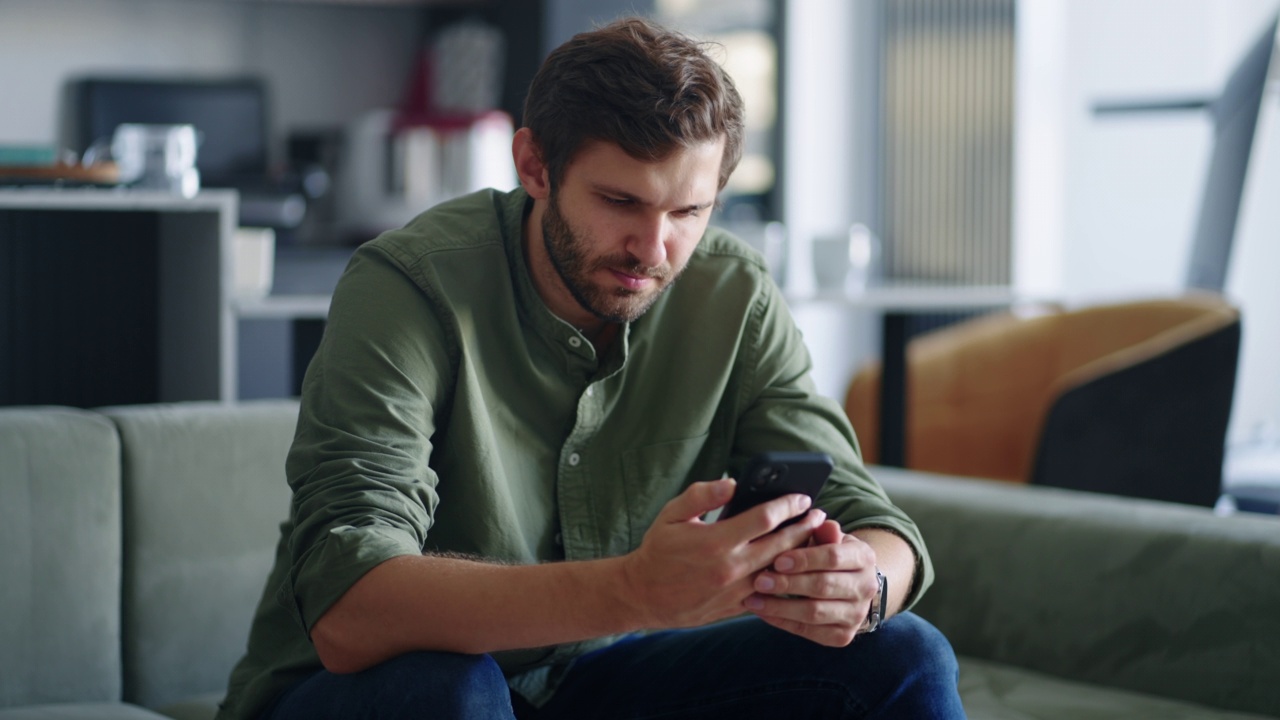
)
(740, 669)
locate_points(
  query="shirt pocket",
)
(654, 474)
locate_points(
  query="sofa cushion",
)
(80, 711)
(204, 494)
(202, 707)
(60, 564)
(992, 691)
(1156, 598)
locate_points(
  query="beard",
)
(569, 251)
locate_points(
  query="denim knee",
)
(919, 650)
(448, 686)
(455, 686)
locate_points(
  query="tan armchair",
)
(1131, 399)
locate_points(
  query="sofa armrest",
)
(1146, 596)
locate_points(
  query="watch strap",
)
(879, 605)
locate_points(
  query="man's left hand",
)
(822, 591)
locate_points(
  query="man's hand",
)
(831, 584)
(688, 572)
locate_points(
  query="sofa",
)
(1069, 604)
(137, 540)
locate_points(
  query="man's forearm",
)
(685, 573)
(468, 606)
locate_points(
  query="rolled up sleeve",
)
(784, 411)
(363, 491)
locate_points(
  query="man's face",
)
(619, 231)
(572, 254)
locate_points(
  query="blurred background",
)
(930, 142)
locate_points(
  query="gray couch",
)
(1064, 604)
(136, 541)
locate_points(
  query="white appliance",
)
(387, 177)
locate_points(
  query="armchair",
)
(1130, 398)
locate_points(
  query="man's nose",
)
(647, 241)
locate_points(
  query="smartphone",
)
(774, 474)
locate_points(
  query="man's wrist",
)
(896, 558)
(628, 594)
(879, 607)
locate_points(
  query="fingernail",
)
(784, 564)
(764, 583)
(753, 603)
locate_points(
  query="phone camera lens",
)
(767, 476)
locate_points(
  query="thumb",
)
(697, 500)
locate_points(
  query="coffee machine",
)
(446, 138)
(390, 172)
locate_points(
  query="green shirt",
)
(448, 410)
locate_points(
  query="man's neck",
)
(602, 338)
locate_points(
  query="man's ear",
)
(529, 166)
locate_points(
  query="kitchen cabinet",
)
(115, 297)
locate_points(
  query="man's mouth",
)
(630, 280)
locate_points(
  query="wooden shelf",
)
(381, 3)
(283, 307)
(921, 298)
(101, 174)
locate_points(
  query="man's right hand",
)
(688, 572)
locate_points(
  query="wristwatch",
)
(879, 605)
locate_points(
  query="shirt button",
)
(574, 459)
(559, 539)
(575, 341)
(591, 390)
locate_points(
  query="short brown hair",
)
(645, 88)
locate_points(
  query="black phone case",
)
(774, 474)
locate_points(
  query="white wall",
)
(828, 130)
(1253, 281)
(325, 64)
(1106, 206)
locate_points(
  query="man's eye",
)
(617, 202)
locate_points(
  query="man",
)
(513, 428)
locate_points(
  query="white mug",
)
(848, 261)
